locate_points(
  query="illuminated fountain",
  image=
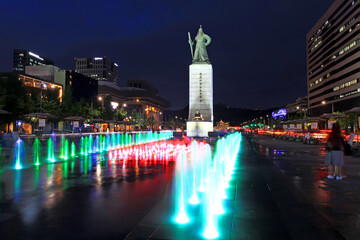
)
(37, 152)
(86, 146)
(51, 150)
(194, 200)
(62, 147)
(97, 144)
(201, 181)
(19, 154)
(73, 150)
(66, 150)
(82, 146)
(181, 217)
(107, 142)
(113, 141)
(136, 148)
(90, 144)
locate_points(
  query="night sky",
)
(258, 48)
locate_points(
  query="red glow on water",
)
(161, 152)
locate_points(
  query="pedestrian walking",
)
(336, 143)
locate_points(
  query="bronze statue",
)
(201, 41)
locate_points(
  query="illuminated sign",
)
(314, 125)
(279, 115)
(41, 122)
(98, 58)
(35, 55)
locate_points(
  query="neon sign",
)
(279, 115)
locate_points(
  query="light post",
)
(332, 105)
(102, 102)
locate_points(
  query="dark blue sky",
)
(258, 48)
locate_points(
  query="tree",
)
(13, 97)
(51, 102)
(68, 106)
(136, 117)
(108, 113)
(350, 120)
(119, 114)
(151, 121)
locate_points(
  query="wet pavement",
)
(279, 191)
(335, 203)
(260, 205)
(79, 199)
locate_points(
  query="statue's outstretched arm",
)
(208, 39)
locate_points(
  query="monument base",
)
(198, 128)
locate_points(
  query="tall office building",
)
(333, 60)
(99, 68)
(23, 58)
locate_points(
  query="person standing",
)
(328, 160)
(336, 144)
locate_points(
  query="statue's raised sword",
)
(191, 48)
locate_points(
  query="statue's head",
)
(200, 32)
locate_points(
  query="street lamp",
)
(332, 105)
(102, 102)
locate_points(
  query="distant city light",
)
(100, 98)
(35, 55)
(115, 64)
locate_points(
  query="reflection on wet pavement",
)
(86, 198)
(303, 166)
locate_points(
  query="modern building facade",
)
(333, 60)
(47, 72)
(23, 58)
(81, 86)
(99, 68)
(36, 85)
(139, 96)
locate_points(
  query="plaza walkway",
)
(279, 191)
(261, 205)
(302, 171)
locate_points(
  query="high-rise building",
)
(333, 60)
(99, 68)
(23, 58)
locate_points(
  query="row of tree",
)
(15, 99)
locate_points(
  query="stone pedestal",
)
(200, 100)
(198, 129)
